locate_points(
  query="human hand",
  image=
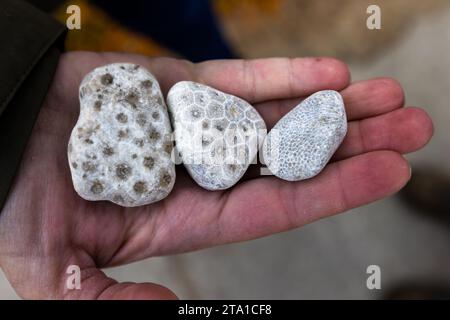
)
(45, 226)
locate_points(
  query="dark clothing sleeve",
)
(31, 42)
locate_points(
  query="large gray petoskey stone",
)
(120, 147)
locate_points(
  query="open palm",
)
(45, 226)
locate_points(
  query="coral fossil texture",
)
(217, 134)
(120, 148)
(304, 140)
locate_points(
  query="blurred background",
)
(407, 235)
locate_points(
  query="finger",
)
(372, 97)
(362, 99)
(274, 78)
(403, 130)
(169, 71)
(96, 285)
(265, 206)
(253, 80)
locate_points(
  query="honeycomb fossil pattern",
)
(120, 147)
(304, 140)
(217, 135)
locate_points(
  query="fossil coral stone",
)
(303, 141)
(120, 147)
(217, 135)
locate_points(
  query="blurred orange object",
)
(99, 32)
(269, 7)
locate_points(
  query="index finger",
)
(273, 78)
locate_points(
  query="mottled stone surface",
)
(120, 147)
(303, 141)
(217, 135)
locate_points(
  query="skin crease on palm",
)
(45, 226)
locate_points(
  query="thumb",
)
(94, 284)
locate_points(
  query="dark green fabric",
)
(30, 49)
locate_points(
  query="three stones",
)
(120, 149)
